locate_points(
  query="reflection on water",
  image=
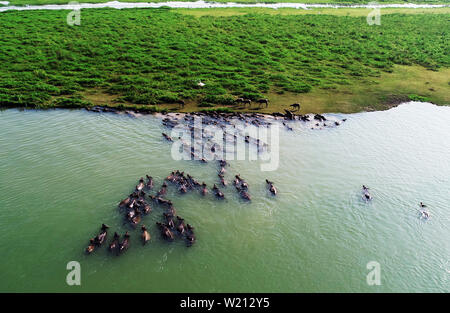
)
(62, 174)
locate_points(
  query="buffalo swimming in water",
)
(100, 238)
(219, 194)
(140, 185)
(124, 244)
(366, 194)
(162, 191)
(91, 246)
(114, 245)
(424, 213)
(136, 219)
(240, 183)
(190, 236)
(245, 195)
(222, 180)
(204, 189)
(165, 231)
(181, 226)
(162, 201)
(125, 202)
(169, 220)
(145, 235)
(147, 208)
(149, 183)
(271, 187)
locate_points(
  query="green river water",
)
(63, 172)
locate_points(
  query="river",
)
(203, 4)
(63, 172)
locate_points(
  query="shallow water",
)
(63, 172)
(203, 4)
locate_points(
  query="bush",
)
(418, 98)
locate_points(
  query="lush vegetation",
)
(146, 57)
(363, 12)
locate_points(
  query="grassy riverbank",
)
(152, 58)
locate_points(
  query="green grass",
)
(404, 83)
(152, 58)
(219, 110)
(39, 2)
(362, 12)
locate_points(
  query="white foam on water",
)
(203, 4)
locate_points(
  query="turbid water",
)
(62, 174)
(205, 4)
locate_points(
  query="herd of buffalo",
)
(138, 204)
(172, 226)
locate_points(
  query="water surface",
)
(63, 172)
(203, 4)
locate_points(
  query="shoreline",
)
(383, 93)
(142, 112)
(232, 110)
